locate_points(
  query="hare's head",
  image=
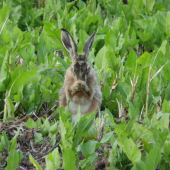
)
(80, 66)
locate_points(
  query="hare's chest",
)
(73, 107)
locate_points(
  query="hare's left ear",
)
(68, 43)
(88, 44)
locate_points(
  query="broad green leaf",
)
(149, 4)
(131, 60)
(83, 126)
(106, 137)
(166, 149)
(4, 15)
(111, 61)
(65, 142)
(111, 39)
(153, 157)
(100, 60)
(168, 24)
(145, 59)
(84, 164)
(53, 140)
(3, 71)
(164, 121)
(144, 36)
(53, 160)
(54, 128)
(163, 23)
(4, 142)
(139, 166)
(167, 92)
(143, 132)
(166, 106)
(38, 137)
(69, 159)
(124, 89)
(32, 124)
(130, 149)
(120, 43)
(163, 47)
(88, 148)
(23, 79)
(14, 157)
(54, 35)
(46, 127)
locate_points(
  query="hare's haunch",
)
(80, 84)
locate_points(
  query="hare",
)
(80, 84)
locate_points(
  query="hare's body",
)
(80, 84)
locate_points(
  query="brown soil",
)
(26, 144)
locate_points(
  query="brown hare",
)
(80, 84)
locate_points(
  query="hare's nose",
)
(80, 62)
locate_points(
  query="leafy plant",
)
(131, 56)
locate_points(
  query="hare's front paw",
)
(79, 86)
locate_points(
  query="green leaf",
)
(106, 137)
(53, 140)
(4, 142)
(111, 39)
(35, 163)
(65, 128)
(163, 23)
(164, 121)
(23, 79)
(154, 157)
(37, 137)
(8, 110)
(131, 60)
(32, 124)
(139, 166)
(111, 61)
(168, 24)
(54, 128)
(143, 132)
(166, 106)
(149, 4)
(69, 159)
(14, 157)
(166, 149)
(88, 148)
(3, 71)
(54, 35)
(78, 115)
(4, 14)
(145, 59)
(100, 60)
(89, 161)
(130, 149)
(83, 126)
(46, 127)
(53, 160)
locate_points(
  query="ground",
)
(26, 144)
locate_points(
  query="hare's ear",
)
(88, 44)
(68, 42)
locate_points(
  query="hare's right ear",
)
(88, 44)
(68, 42)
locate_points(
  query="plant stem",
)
(147, 91)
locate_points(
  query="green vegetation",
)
(131, 54)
